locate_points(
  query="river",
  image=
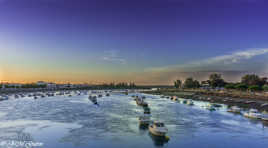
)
(74, 122)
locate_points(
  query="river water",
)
(74, 122)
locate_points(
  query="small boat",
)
(264, 105)
(100, 95)
(184, 101)
(234, 109)
(158, 129)
(107, 95)
(159, 141)
(210, 108)
(50, 94)
(175, 98)
(16, 96)
(147, 110)
(190, 102)
(145, 119)
(250, 102)
(2, 98)
(253, 113)
(240, 101)
(93, 99)
(216, 105)
(264, 117)
(141, 102)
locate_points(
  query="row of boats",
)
(69, 93)
(156, 128)
(251, 113)
(36, 95)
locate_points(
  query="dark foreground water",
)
(74, 122)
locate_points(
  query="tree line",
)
(121, 85)
(249, 82)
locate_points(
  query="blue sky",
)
(146, 41)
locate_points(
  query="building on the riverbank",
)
(48, 85)
(39, 83)
(64, 86)
(205, 85)
(51, 85)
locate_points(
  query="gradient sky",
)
(145, 41)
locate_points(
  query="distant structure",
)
(51, 85)
(154, 89)
(205, 85)
(39, 83)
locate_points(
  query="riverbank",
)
(244, 100)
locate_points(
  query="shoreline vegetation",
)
(250, 92)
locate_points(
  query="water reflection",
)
(158, 141)
(24, 137)
(265, 123)
(143, 127)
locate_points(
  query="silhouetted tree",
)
(251, 80)
(216, 80)
(177, 83)
(191, 83)
(196, 84)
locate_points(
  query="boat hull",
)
(156, 133)
(232, 111)
(265, 119)
(253, 116)
(144, 122)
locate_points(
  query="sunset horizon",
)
(89, 42)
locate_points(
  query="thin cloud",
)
(113, 56)
(231, 66)
(227, 60)
(235, 57)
